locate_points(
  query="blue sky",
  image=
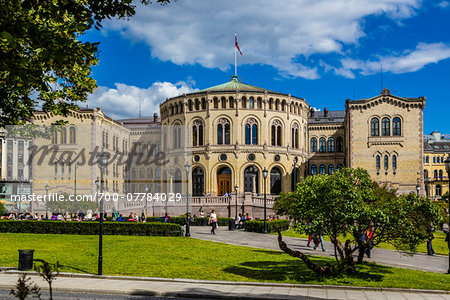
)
(324, 50)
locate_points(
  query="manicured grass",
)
(439, 244)
(196, 259)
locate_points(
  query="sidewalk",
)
(160, 287)
(419, 261)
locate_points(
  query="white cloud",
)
(282, 34)
(123, 101)
(444, 4)
(408, 61)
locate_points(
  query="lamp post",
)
(236, 190)
(46, 207)
(75, 180)
(295, 174)
(187, 168)
(265, 173)
(31, 193)
(102, 162)
(418, 189)
(97, 185)
(447, 168)
(171, 170)
(145, 205)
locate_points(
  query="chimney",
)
(155, 117)
(312, 112)
(325, 112)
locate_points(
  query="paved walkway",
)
(139, 286)
(419, 261)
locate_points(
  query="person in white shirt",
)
(213, 221)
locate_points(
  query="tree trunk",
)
(309, 264)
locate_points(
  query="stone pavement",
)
(185, 288)
(419, 261)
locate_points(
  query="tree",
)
(43, 61)
(346, 204)
(2, 208)
(25, 287)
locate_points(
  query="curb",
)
(215, 282)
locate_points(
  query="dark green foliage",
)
(2, 208)
(272, 226)
(43, 60)
(91, 228)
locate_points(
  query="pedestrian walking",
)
(319, 238)
(430, 250)
(213, 221)
(369, 241)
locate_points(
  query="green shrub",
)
(91, 228)
(258, 225)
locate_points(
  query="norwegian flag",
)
(236, 44)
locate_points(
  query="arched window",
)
(313, 144)
(251, 103)
(277, 104)
(275, 181)
(425, 173)
(435, 174)
(330, 169)
(260, 103)
(386, 162)
(427, 159)
(386, 127)
(394, 162)
(276, 133)
(149, 173)
(396, 126)
(63, 136)
(197, 104)
(438, 190)
(176, 140)
(251, 179)
(54, 136)
(216, 103)
(223, 132)
(244, 102)
(190, 105)
(375, 127)
(377, 162)
(224, 102)
(440, 175)
(339, 167)
(434, 159)
(270, 103)
(231, 100)
(251, 132)
(322, 147)
(331, 144)
(72, 135)
(198, 182)
(313, 170)
(295, 136)
(340, 144)
(197, 133)
(322, 169)
(203, 103)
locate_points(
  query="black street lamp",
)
(187, 168)
(418, 189)
(265, 172)
(75, 180)
(295, 173)
(46, 207)
(447, 168)
(97, 185)
(236, 190)
(102, 162)
(31, 193)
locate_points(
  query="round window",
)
(223, 157)
(196, 158)
(277, 157)
(251, 157)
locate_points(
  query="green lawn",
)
(190, 258)
(439, 244)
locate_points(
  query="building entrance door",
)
(223, 184)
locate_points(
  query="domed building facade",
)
(239, 130)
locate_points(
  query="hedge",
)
(91, 228)
(258, 225)
(182, 221)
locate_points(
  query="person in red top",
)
(369, 241)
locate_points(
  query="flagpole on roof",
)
(235, 56)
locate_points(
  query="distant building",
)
(436, 150)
